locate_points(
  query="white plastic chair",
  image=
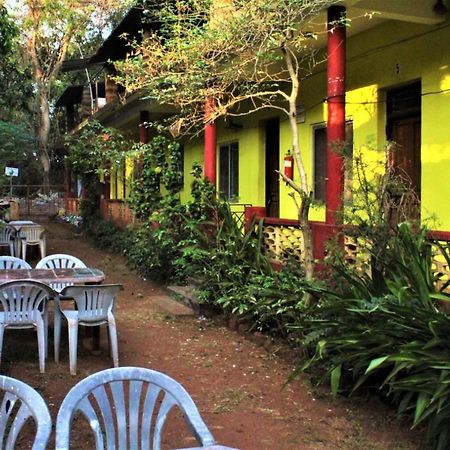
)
(11, 262)
(127, 407)
(24, 305)
(7, 236)
(19, 402)
(60, 261)
(32, 235)
(94, 306)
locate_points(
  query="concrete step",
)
(173, 306)
(185, 295)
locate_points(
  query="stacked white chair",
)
(24, 305)
(32, 235)
(60, 261)
(122, 408)
(7, 236)
(11, 262)
(94, 306)
(19, 402)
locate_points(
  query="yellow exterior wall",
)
(129, 174)
(251, 161)
(383, 57)
(113, 183)
(120, 182)
(193, 153)
(389, 55)
(405, 52)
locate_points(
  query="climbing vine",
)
(96, 149)
(161, 169)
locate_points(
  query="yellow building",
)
(397, 88)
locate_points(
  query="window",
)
(229, 171)
(320, 162)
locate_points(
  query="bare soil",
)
(236, 379)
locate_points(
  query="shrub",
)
(233, 273)
(387, 333)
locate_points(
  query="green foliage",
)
(96, 148)
(15, 75)
(232, 272)
(172, 226)
(8, 32)
(188, 59)
(108, 236)
(18, 149)
(161, 169)
(201, 241)
(241, 56)
(387, 333)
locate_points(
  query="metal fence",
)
(32, 202)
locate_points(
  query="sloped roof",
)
(76, 64)
(73, 95)
(116, 46)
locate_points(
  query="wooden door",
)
(406, 165)
(272, 146)
(406, 160)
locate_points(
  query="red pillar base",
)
(253, 212)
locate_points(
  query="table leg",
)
(17, 245)
(96, 339)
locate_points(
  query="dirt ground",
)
(235, 379)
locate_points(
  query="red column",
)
(210, 144)
(336, 112)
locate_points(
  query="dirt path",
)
(236, 383)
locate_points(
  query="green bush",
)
(234, 274)
(387, 333)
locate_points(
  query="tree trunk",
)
(43, 134)
(308, 242)
(302, 189)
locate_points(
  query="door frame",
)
(272, 180)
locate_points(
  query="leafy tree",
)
(18, 149)
(49, 28)
(15, 76)
(249, 55)
(17, 144)
(8, 32)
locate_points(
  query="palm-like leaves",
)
(390, 336)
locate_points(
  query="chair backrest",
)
(24, 301)
(11, 262)
(32, 233)
(18, 403)
(6, 234)
(93, 302)
(126, 402)
(60, 261)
